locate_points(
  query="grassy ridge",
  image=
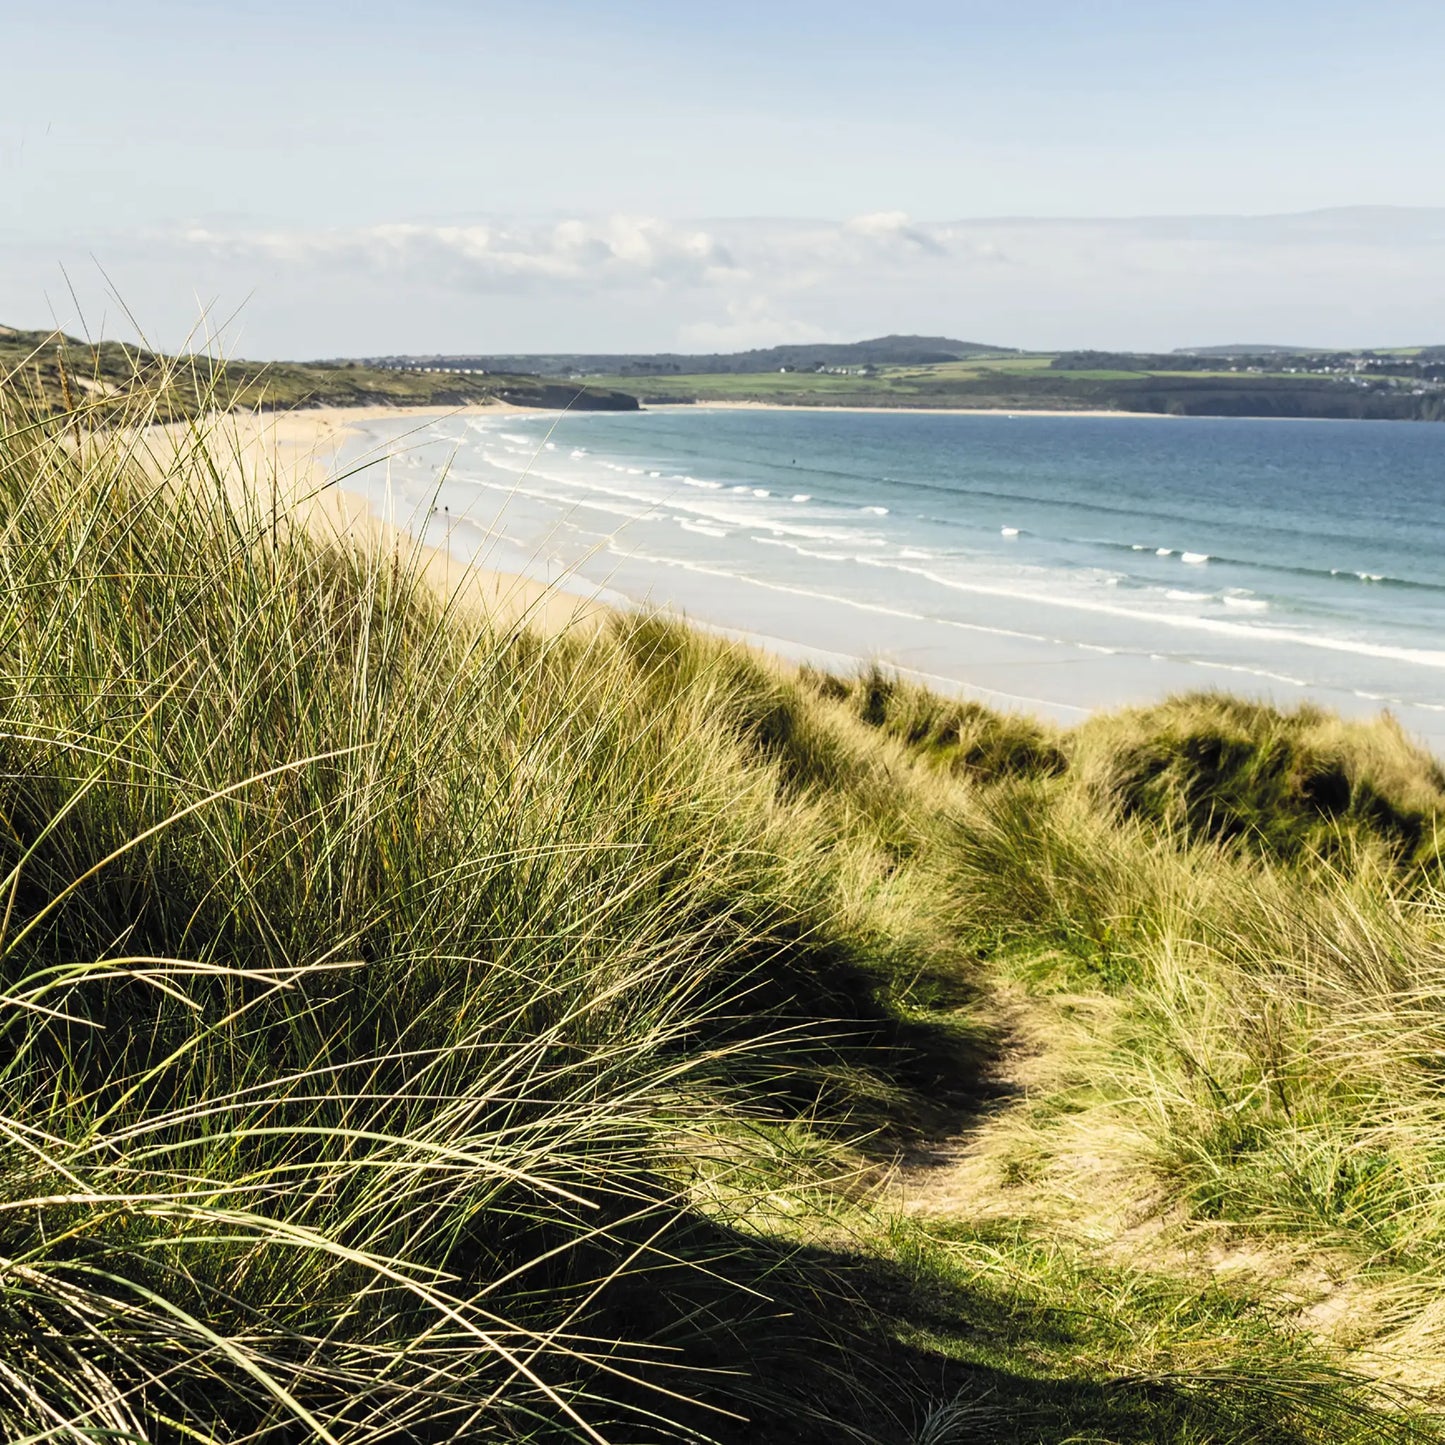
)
(60, 374)
(418, 1028)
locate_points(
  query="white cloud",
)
(873, 251)
(639, 282)
(754, 321)
(894, 228)
(604, 252)
(613, 250)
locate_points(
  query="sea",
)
(1055, 564)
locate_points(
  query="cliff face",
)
(565, 396)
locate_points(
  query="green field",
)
(1035, 383)
(422, 1027)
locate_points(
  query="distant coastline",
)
(932, 373)
(804, 406)
(1020, 413)
(920, 374)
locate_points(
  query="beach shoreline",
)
(1032, 676)
(301, 450)
(1018, 414)
(904, 410)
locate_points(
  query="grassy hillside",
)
(58, 372)
(418, 1028)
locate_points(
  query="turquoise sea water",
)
(1059, 562)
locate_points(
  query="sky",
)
(318, 179)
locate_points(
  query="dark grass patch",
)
(1209, 767)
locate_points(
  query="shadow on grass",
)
(901, 1068)
(815, 1346)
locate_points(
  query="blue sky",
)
(276, 155)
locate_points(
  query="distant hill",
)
(880, 351)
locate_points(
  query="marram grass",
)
(417, 1027)
(367, 975)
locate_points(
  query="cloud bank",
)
(1350, 276)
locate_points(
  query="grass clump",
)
(956, 736)
(1209, 766)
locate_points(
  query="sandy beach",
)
(294, 457)
(315, 459)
